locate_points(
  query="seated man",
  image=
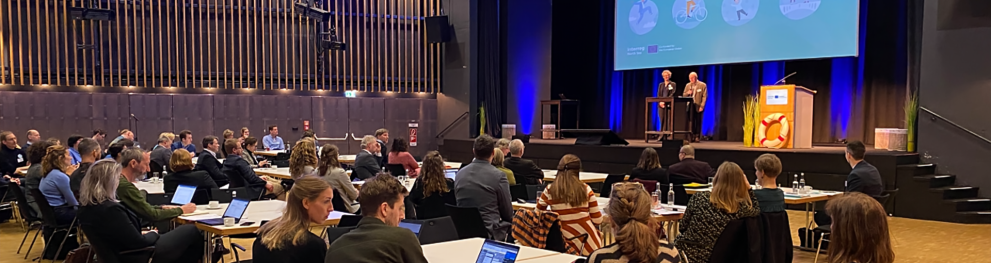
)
(864, 177)
(689, 170)
(239, 169)
(483, 186)
(208, 161)
(135, 163)
(185, 142)
(378, 237)
(366, 165)
(272, 141)
(525, 171)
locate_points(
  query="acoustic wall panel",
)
(110, 113)
(232, 112)
(286, 112)
(194, 113)
(152, 117)
(365, 116)
(330, 120)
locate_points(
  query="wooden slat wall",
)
(223, 44)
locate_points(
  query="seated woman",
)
(303, 160)
(56, 167)
(249, 145)
(432, 190)
(107, 221)
(859, 230)
(649, 168)
(634, 228)
(399, 154)
(181, 164)
(499, 160)
(330, 169)
(708, 213)
(288, 238)
(769, 197)
(576, 204)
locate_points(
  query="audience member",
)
(12, 157)
(288, 238)
(135, 165)
(228, 134)
(378, 239)
(482, 186)
(303, 160)
(769, 197)
(689, 170)
(235, 165)
(73, 149)
(525, 171)
(708, 213)
(245, 134)
(89, 151)
(400, 155)
(99, 135)
(124, 134)
(309, 134)
(331, 171)
(382, 136)
(181, 164)
(576, 204)
(431, 192)
(53, 141)
(56, 167)
(185, 142)
(366, 165)
(859, 230)
(116, 148)
(649, 168)
(161, 153)
(33, 136)
(36, 153)
(106, 220)
(503, 145)
(169, 135)
(498, 160)
(208, 161)
(864, 177)
(249, 145)
(272, 141)
(635, 230)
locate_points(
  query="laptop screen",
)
(236, 208)
(496, 252)
(412, 226)
(183, 194)
(450, 173)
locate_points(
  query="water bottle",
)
(670, 194)
(234, 194)
(801, 183)
(165, 171)
(657, 190)
(794, 185)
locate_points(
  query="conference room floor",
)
(913, 240)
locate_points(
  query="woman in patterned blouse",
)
(635, 230)
(576, 204)
(708, 213)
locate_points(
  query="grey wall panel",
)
(398, 115)
(287, 112)
(193, 113)
(231, 112)
(63, 116)
(365, 116)
(154, 116)
(330, 120)
(110, 113)
(428, 128)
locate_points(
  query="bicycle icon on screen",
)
(699, 13)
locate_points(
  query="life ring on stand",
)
(782, 135)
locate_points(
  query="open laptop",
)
(497, 252)
(412, 226)
(450, 173)
(235, 209)
(183, 194)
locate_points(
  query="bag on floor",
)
(80, 255)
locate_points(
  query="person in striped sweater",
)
(576, 206)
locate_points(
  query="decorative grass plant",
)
(911, 119)
(751, 118)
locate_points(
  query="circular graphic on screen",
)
(689, 14)
(739, 12)
(798, 9)
(643, 16)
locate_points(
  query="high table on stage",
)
(668, 122)
(560, 104)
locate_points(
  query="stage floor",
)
(731, 146)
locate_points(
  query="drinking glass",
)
(711, 179)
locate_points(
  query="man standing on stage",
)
(665, 89)
(697, 90)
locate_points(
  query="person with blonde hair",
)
(859, 231)
(331, 171)
(303, 160)
(635, 229)
(576, 204)
(503, 145)
(498, 160)
(709, 212)
(288, 238)
(181, 165)
(432, 190)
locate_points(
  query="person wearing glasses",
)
(576, 204)
(636, 230)
(709, 212)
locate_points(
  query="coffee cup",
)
(228, 221)
(214, 204)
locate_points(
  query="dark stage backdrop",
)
(855, 95)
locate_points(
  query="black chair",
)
(437, 230)
(649, 185)
(733, 244)
(159, 199)
(33, 222)
(889, 195)
(201, 197)
(155, 168)
(468, 222)
(396, 169)
(611, 179)
(518, 192)
(226, 195)
(106, 254)
(333, 233)
(531, 191)
(238, 181)
(338, 202)
(776, 243)
(49, 222)
(349, 220)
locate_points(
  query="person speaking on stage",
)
(665, 89)
(697, 90)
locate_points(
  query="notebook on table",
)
(497, 252)
(183, 194)
(235, 210)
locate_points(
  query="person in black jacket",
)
(864, 177)
(649, 168)
(239, 169)
(689, 170)
(208, 160)
(432, 190)
(181, 164)
(366, 165)
(89, 152)
(12, 157)
(288, 238)
(382, 136)
(525, 171)
(110, 225)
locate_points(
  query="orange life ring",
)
(782, 135)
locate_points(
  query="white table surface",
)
(788, 193)
(197, 158)
(258, 211)
(157, 188)
(559, 258)
(466, 250)
(281, 172)
(583, 176)
(269, 153)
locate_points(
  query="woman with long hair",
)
(499, 161)
(399, 154)
(249, 145)
(181, 164)
(635, 229)
(331, 171)
(103, 218)
(576, 204)
(859, 232)
(56, 168)
(245, 133)
(432, 190)
(649, 168)
(288, 238)
(708, 213)
(303, 160)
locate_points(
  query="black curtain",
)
(492, 92)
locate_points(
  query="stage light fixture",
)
(95, 14)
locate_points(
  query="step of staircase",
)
(971, 204)
(937, 181)
(957, 192)
(974, 217)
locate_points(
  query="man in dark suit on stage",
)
(208, 162)
(525, 171)
(366, 164)
(689, 170)
(864, 177)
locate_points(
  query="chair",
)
(349, 220)
(825, 238)
(649, 185)
(338, 202)
(396, 169)
(226, 195)
(33, 222)
(106, 254)
(734, 243)
(437, 230)
(159, 199)
(889, 195)
(237, 180)
(607, 185)
(410, 208)
(518, 192)
(333, 233)
(155, 168)
(201, 197)
(468, 222)
(48, 221)
(531, 191)
(776, 243)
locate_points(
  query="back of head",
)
(649, 160)
(181, 160)
(73, 140)
(329, 154)
(629, 208)
(383, 188)
(54, 140)
(433, 174)
(100, 183)
(399, 145)
(164, 139)
(303, 154)
(119, 147)
(228, 133)
(483, 147)
(568, 187)
(769, 164)
(53, 159)
(860, 230)
(856, 149)
(230, 145)
(367, 140)
(87, 146)
(503, 144)
(498, 159)
(169, 135)
(291, 228)
(309, 134)
(99, 132)
(516, 147)
(688, 150)
(730, 188)
(131, 155)
(36, 152)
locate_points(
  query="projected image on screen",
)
(800, 29)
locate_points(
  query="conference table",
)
(158, 187)
(586, 177)
(467, 250)
(669, 214)
(345, 158)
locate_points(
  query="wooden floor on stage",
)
(726, 145)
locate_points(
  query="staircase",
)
(938, 197)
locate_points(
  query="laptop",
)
(235, 209)
(450, 173)
(412, 226)
(497, 252)
(183, 194)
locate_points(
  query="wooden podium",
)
(794, 104)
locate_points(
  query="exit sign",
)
(350, 93)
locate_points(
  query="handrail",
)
(955, 125)
(445, 130)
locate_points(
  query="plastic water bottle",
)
(165, 171)
(670, 194)
(801, 183)
(794, 185)
(657, 191)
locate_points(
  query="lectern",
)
(675, 119)
(787, 117)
